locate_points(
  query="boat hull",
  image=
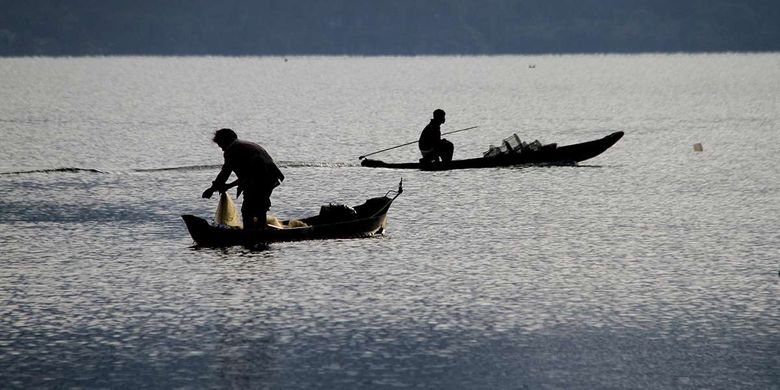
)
(547, 155)
(370, 220)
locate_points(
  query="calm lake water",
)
(650, 266)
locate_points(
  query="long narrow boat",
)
(365, 220)
(547, 155)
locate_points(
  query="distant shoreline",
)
(387, 28)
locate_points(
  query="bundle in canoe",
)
(365, 220)
(550, 154)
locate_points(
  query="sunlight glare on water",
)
(650, 266)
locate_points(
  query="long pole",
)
(409, 143)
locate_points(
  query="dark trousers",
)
(443, 150)
(254, 209)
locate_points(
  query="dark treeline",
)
(406, 27)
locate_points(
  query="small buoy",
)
(697, 147)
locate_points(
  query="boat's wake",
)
(181, 168)
(315, 164)
(55, 170)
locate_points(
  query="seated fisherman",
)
(432, 146)
(257, 176)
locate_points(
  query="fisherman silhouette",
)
(257, 175)
(432, 146)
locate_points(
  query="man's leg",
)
(247, 215)
(445, 150)
(428, 156)
(253, 211)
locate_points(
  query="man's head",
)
(224, 137)
(438, 115)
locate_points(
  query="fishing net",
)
(227, 216)
(226, 212)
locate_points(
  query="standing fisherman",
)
(257, 176)
(432, 146)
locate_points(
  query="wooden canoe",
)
(365, 220)
(547, 155)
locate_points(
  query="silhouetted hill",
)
(244, 27)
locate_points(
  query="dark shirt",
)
(430, 137)
(254, 167)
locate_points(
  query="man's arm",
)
(219, 183)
